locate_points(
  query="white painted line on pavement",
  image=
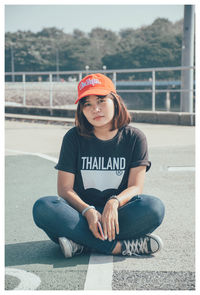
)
(44, 156)
(99, 274)
(29, 281)
(52, 159)
(100, 267)
(180, 168)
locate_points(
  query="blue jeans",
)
(140, 216)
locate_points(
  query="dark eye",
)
(101, 99)
(87, 104)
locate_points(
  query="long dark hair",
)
(120, 119)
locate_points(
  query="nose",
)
(96, 108)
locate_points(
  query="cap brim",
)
(93, 92)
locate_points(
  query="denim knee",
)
(156, 208)
(40, 208)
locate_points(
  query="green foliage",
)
(157, 45)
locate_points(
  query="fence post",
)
(115, 78)
(153, 91)
(24, 88)
(80, 76)
(51, 91)
(168, 102)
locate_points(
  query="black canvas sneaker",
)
(149, 244)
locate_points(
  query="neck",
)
(104, 133)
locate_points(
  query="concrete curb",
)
(170, 118)
(40, 119)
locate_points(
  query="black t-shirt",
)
(101, 167)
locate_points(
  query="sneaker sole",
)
(65, 247)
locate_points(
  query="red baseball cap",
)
(95, 84)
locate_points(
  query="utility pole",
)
(187, 59)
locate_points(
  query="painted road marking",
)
(180, 168)
(99, 274)
(29, 281)
(44, 156)
(100, 267)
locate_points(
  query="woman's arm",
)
(65, 190)
(110, 213)
(65, 186)
(135, 185)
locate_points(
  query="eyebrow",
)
(98, 97)
(101, 97)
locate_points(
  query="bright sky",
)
(85, 17)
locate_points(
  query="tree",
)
(150, 46)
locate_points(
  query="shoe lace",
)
(135, 247)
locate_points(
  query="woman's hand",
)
(109, 219)
(93, 216)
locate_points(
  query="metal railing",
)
(50, 79)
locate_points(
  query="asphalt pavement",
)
(29, 176)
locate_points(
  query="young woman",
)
(101, 171)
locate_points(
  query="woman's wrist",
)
(86, 209)
(114, 199)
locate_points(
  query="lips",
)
(97, 117)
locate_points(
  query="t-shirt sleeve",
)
(140, 152)
(68, 154)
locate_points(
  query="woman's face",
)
(99, 111)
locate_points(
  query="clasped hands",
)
(108, 220)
